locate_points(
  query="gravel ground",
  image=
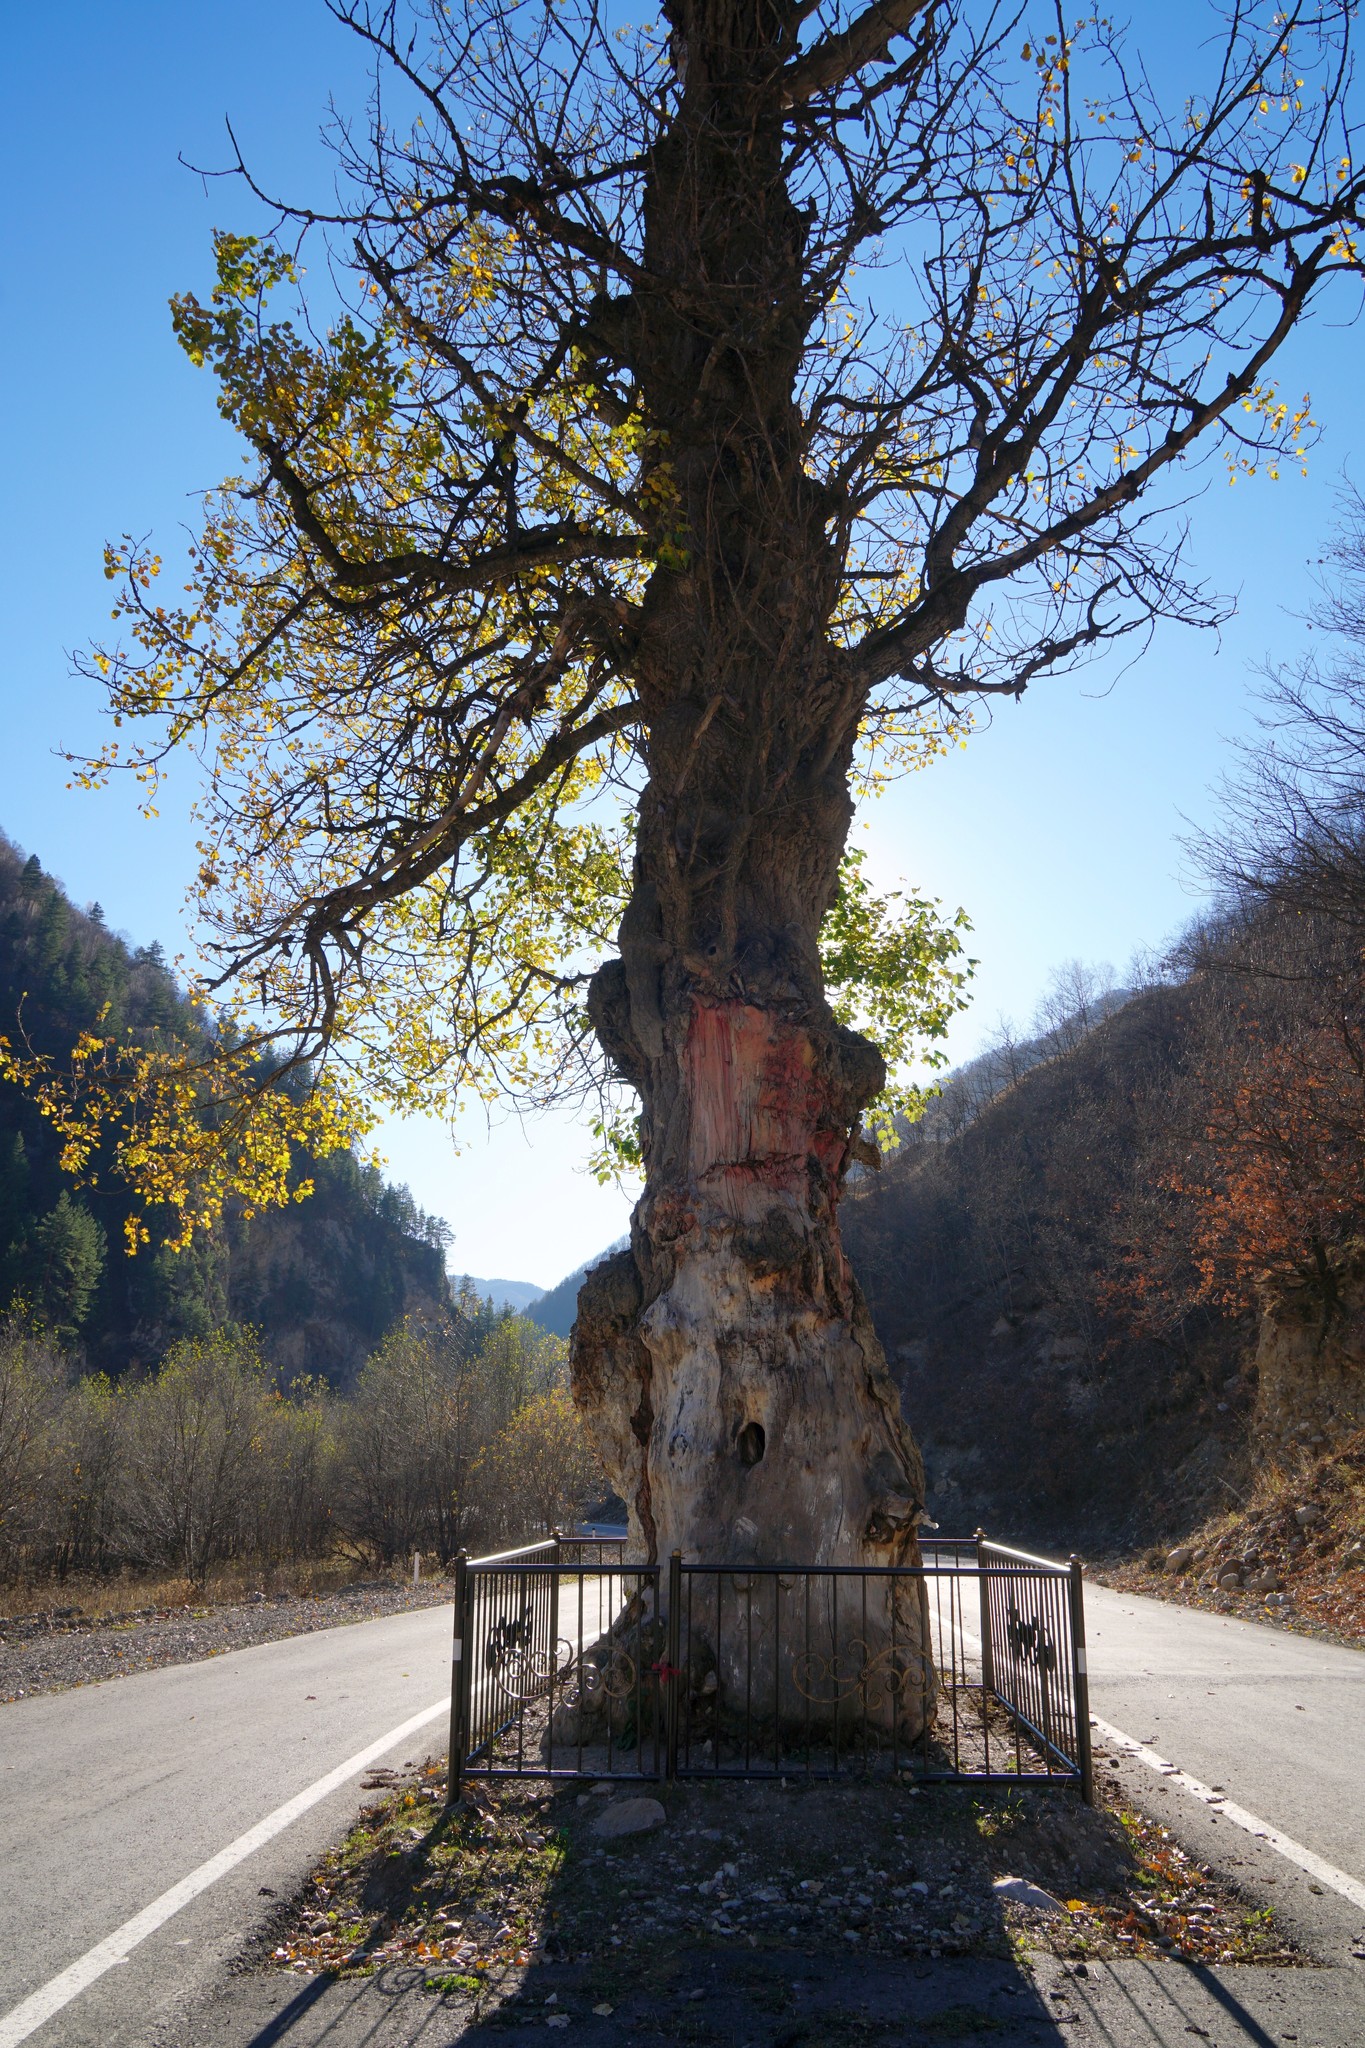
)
(52, 1652)
(521, 1870)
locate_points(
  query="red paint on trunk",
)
(757, 1102)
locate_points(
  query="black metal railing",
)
(1033, 1659)
(591, 1550)
(968, 1667)
(504, 1652)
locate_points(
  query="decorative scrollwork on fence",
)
(523, 1670)
(614, 1680)
(876, 1678)
(1029, 1641)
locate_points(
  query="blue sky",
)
(1057, 829)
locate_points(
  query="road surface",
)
(111, 1794)
(1277, 1721)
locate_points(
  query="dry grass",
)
(138, 1593)
(1173, 1907)
(1312, 1562)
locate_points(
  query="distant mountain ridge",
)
(555, 1310)
(517, 1294)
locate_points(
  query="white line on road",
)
(1227, 1809)
(25, 2019)
(1326, 1873)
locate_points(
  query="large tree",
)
(685, 425)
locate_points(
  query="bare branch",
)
(866, 40)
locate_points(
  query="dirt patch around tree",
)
(857, 1875)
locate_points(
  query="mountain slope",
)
(556, 1309)
(322, 1280)
(990, 1259)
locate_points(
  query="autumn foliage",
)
(1263, 1183)
(1276, 1180)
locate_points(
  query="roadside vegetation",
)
(210, 1471)
(1294, 1553)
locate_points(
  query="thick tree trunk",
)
(726, 1364)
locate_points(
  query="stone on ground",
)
(628, 1817)
(1021, 1893)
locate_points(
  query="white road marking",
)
(1227, 1809)
(32, 2012)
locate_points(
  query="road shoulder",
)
(1326, 1926)
(47, 1653)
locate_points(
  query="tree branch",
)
(543, 547)
(866, 40)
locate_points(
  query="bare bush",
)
(32, 1383)
(406, 1441)
(294, 1499)
(195, 1462)
(459, 1432)
(425, 1408)
(88, 1480)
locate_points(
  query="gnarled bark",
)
(726, 1364)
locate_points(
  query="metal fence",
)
(967, 1668)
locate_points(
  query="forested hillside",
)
(1113, 1282)
(989, 1256)
(322, 1281)
(1120, 1270)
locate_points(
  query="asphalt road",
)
(112, 1793)
(1277, 1721)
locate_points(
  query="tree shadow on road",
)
(781, 1915)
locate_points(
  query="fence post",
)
(552, 1647)
(1081, 1686)
(672, 1663)
(984, 1590)
(458, 1674)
